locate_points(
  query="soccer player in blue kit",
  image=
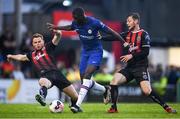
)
(91, 55)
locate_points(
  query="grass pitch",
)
(91, 111)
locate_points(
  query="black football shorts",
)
(138, 73)
(57, 79)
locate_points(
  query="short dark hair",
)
(135, 16)
(79, 12)
(36, 35)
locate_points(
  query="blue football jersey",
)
(88, 33)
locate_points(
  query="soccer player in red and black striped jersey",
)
(43, 60)
(137, 64)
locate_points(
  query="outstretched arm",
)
(18, 57)
(56, 37)
(53, 27)
(108, 38)
(114, 34)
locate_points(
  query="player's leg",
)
(82, 76)
(123, 76)
(45, 84)
(83, 90)
(147, 90)
(83, 65)
(143, 77)
(118, 79)
(94, 60)
(71, 92)
(86, 84)
(61, 82)
(97, 86)
(105, 90)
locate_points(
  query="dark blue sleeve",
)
(112, 38)
(73, 25)
(101, 26)
(108, 38)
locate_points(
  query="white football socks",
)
(87, 83)
(98, 87)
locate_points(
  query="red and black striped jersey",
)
(139, 47)
(43, 60)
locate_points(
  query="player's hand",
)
(9, 58)
(126, 58)
(51, 26)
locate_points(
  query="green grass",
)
(91, 110)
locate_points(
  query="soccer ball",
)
(56, 106)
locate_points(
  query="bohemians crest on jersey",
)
(145, 76)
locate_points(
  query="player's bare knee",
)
(118, 79)
(41, 82)
(146, 87)
(147, 91)
(114, 82)
(45, 82)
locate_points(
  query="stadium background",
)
(19, 19)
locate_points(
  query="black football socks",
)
(157, 99)
(73, 102)
(114, 95)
